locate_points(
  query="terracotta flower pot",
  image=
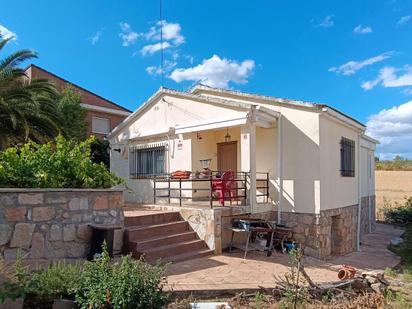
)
(347, 272)
(64, 304)
(12, 304)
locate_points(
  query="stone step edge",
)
(171, 246)
(145, 241)
(145, 227)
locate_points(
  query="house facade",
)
(304, 165)
(102, 115)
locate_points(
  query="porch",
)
(200, 191)
(202, 153)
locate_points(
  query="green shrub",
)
(398, 213)
(126, 284)
(57, 281)
(14, 281)
(63, 164)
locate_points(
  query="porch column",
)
(248, 160)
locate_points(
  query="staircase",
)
(163, 235)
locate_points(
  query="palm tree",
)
(28, 108)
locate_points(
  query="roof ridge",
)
(76, 85)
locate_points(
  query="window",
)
(347, 157)
(146, 162)
(100, 125)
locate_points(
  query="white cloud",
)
(393, 129)
(127, 35)
(407, 91)
(94, 39)
(171, 32)
(172, 37)
(152, 48)
(327, 22)
(6, 33)
(403, 20)
(157, 70)
(351, 67)
(388, 77)
(216, 72)
(359, 29)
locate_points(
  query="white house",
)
(303, 164)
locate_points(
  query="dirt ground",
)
(393, 186)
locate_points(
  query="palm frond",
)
(16, 58)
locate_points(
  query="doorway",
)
(227, 156)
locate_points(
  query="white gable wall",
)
(170, 111)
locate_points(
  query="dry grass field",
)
(393, 186)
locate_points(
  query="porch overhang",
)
(258, 115)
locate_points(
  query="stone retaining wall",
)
(333, 231)
(53, 223)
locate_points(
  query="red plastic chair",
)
(223, 185)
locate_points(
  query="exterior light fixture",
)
(227, 136)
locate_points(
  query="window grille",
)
(347, 157)
(147, 162)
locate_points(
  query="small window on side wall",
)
(347, 157)
(100, 125)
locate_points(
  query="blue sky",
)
(353, 55)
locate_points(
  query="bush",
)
(13, 281)
(57, 281)
(42, 286)
(398, 213)
(63, 164)
(128, 284)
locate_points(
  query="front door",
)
(227, 156)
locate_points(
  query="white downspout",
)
(280, 167)
(359, 195)
(369, 191)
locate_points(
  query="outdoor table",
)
(102, 233)
(265, 227)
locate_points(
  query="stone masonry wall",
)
(333, 231)
(366, 203)
(53, 223)
(314, 232)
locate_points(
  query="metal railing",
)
(165, 187)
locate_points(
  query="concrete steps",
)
(163, 236)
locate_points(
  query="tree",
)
(73, 116)
(100, 152)
(28, 109)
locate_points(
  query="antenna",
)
(161, 42)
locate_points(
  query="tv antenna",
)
(161, 42)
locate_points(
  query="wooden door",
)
(227, 156)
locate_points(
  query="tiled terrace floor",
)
(232, 272)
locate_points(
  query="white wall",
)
(336, 190)
(368, 170)
(170, 111)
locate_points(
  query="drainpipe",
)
(369, 191)
(280, 167)
(359, 195)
